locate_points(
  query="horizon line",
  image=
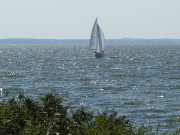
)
(85, 38)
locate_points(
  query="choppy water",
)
(142, 82)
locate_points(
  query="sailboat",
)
(97, 42)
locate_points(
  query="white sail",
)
(97, 38)
(93, 40)
(101, 39)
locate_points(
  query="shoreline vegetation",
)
(48, 116)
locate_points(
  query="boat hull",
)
(99, 55)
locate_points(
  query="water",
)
(139, 81)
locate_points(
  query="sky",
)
(73, 19)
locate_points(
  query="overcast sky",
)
(73, 19)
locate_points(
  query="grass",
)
(47, 116)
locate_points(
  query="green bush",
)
(25, 116)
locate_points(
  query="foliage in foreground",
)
(24, 116)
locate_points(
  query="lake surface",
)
(139, 81)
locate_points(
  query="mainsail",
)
(97, 38)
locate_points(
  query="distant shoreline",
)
(123, 41)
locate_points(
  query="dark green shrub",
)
(25, 116)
